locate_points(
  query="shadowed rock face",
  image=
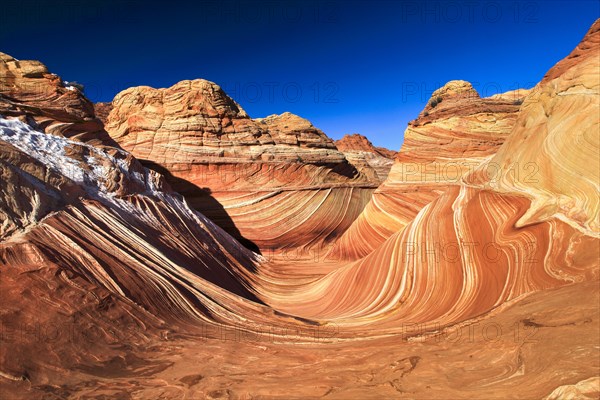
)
(29, 190)
(113, 286)
(371, 161)
(276, 183)
(102, 110)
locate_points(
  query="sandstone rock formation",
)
(455, 133)
(92, 215)
(29, 90)
(113, 286)
(102, 110)
(358, 142)
(540, 225)
(99, 253)
(371, 161)
(99, 243)
(232, 168)
(517, 95)
(551, 144)
(195, 122)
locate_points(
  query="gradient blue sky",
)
(347, 66)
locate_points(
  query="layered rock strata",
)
(276, 183)
(30, 91)
(371, 161)
(453, 135)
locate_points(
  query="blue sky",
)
(347, 66)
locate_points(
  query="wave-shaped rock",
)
(550, 154)
(112, 285)
(488, 236)
(455, 133)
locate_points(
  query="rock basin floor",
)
(500, 354)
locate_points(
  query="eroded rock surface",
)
(371, 161)
(113, 286)
(276, 183)
(30, 91)
(453, 135)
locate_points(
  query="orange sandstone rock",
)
(368, 159)
(280, 170)
(30, 91)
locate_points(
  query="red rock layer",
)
(102, 110)
(358, 142)
(491, 237)
(521, 351)
(459, 258)
(491, 290)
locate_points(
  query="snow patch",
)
(97, 166)
(51, 151)
(68, 86)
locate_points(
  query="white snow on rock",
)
(51, 151)
(96, 166)
(67, 85)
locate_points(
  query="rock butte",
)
(372, 161)
(278, 184)
(479, 284)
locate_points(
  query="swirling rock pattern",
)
(556, 139)
(112, 285)
(454, 134)
(450, 238)
(460, 257)
(114, 258)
